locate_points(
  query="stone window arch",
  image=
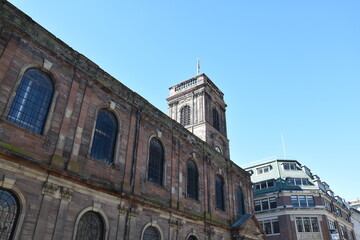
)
(156, 162)
(9, 214)
(104, 139)
(192, 180)
(32, 101)
(90, 227)
(185, 115)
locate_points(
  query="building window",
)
(185, 115)
(302, 201)
(264, 169)
(344, 232)
(156, 162)
(264, 185)
(240, 202)
(9, 212)
(219, 192)
(192, 180)
(297, 181)
(265, 204)
(338, 211)
(32, 101)
(90, 226)
(307, 224)
(151, 233)
(289, 166)
(332, 226)
(192, 238)
(104, 140)
(328, 205)
(270, 226)
(216, 122)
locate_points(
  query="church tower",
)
(198, 104)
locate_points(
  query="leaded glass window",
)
(192, 238)
(9, 211)
(104, 137)
(90, 227)
(219, 192)
(151, 233)
(32, 101)
(185, 115)
(240, 202)
(216, 122)
(192, 180)
(156, 162)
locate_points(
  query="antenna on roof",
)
(198, 67)
(283, 145)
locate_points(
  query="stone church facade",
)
(84, 157)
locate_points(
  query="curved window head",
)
(185, 115)
(192, 180)
(219, 192)
(192, 237)
(32, 101)
(240, 202)
(216, 122)
(90, 226)
(9, 212)
(156, 162)
(151, 233)
(104, 140)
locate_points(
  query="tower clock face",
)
(218, 149)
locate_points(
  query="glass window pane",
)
(302, 201)
(270, 183)
(9, 211)
(151, 233)
(90, 226)
(307, 226)
(298, 181)
(276, 228)
(156, 162)
(314, 224)
(192, 180)
(265, 204)
(310, 201)
(272, 203)
(299, 225)
(295, 201)
(267, 226)
(257, 205)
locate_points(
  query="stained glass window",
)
(192, 180)
(32, 101)
(90, 227)
(156, 162)
(9, 211)
(104, 137)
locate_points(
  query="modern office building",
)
(292, 203)
(84, 157)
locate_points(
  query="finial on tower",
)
(198, 66)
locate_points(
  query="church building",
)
(84, 157)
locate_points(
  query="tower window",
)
(216, 122)
(192, 180)
(185, 115)
(32, 101)
(156, 162)
(104, 137)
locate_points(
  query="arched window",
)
(192, 237)
(219, 192)
(185, 115)
(192, 180)
(90, 227)
(240, 202)
(9, 212)
(32, 101)
(156, 162)
(104, 137)
(216, 122)
(151, 233)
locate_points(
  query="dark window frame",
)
(156, 162)
(220, 193)
(192, 180)
(10, 202)
(216, 119)
(88, 223)
(185, 115)
(32, 102)
(105, 136)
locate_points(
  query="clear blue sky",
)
(285, 67)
